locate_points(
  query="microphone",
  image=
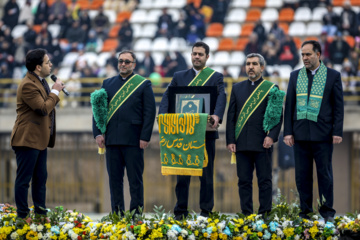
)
(53, 77)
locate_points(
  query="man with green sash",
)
(253, 125)
(199, 75)
(130, 119)
(313, 122)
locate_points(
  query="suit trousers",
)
(206, 186)
(31, 166)
(119, 157)
(305, 153)
(246, 161)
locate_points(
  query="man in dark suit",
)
(34, 131)
(248, 139)
(128, 131)
(199, 56)
(313, 122)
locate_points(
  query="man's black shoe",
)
(329, 219)
(179, 217)
(204, 214)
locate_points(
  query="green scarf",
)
(310, 109)
(202, 77)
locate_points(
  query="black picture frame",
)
(208, 93)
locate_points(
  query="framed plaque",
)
(184, 99)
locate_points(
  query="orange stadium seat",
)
(37, 28)
(241, 44)
(110, 44)
(196, 3)
(298, 42)
(122, 16)
(247, 29)
(286, 15)
(350, 40)
(95, 4)
(285, 27)
(226, 44)
(214, 30)
(114, 31)
(337, 2)
(355, 2)
(253, 15)
(84, 4)
(311, 38)
(258, 3)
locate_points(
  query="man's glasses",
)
(127, 62)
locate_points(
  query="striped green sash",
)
(310, 109)
(124, 93)
(203, 76)
(251, 104)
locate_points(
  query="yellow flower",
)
(313, 231)
(214, 229)
(206, 234)
(288, 232)
(214, 236)
(196, 233)
(180, 238)
(264, 226)
(216, 220)
(236, 229)
(246, 228)
(259, 234)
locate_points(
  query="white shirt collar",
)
(313, 72)
(196, 71)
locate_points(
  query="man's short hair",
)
(34, 57)
(128, 51)
(315, 44)
(259, 56)
(203, 45)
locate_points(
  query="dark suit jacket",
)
(183, 78)
(331, 115)
(134, 120)
(252, 135)
(33, 121)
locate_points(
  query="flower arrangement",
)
(66, 224)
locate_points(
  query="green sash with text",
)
(251, 104)
(202, 77)
(182, 143)
(124, 93)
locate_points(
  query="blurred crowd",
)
(80, 33)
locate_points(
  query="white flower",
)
(221, 226)
(14, 235)
(171, 235)
(315, 217)
(40, 228)
(74, 214)
(358, 216)
(71, 219)
(183, 233)
(191, 237)
(33, 227)
(276, 218)
(297, 237)
(334, 238)
(285, 224)
(40, 235)
(279, 232)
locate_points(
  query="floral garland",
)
(63, 225)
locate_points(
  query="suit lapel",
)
(38, 85)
